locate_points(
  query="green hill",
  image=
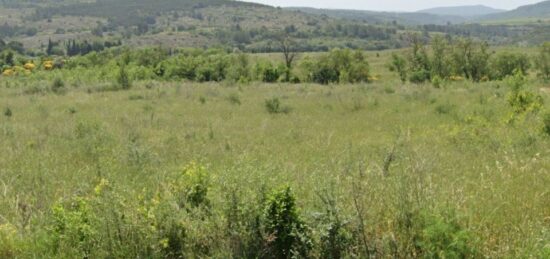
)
(383, 17)
(185, 23)
(540, 10)
(462, 11)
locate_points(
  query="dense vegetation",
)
(235, 25)
(203, 148)
(119, 153)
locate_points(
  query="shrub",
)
(521, 100)
(234, 99)
(542, 61)
(239, 70)
(399, 65)
(506, 64)
(288, 235)
(546, 123)
(193, 187)
(274, 106)
(58, 86)
(336, 240)
(470, 59)
(7, 112)
(437, 81)
(72, 227)
(443, 237)
(339, 66)
(123, 79)
(266, 72)
(419, 76)
(8, 241)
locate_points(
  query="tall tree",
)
(288, 47)
(49, 49)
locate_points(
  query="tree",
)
(9, 59)
(506, 64)
(542, 61)
(439, 61)
(123, 79)
(471, 59)
(399, 64)
(419, 62)
(289, 52)
(49, 49)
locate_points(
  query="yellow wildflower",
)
(29, 66)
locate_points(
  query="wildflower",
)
(48, 65)
(101, 186)
(29, 66)
(8, 72)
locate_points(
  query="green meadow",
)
(182, 169)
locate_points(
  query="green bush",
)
(266, 72)
(506, 64)
(546, 123)
(123, 78)
(419, 76)
(542, 61)
(7, 112)
(274, 106)
(58, 86)
(288, 235)
(521, 100)
(441, 236)
(399, 65)
(338, 66)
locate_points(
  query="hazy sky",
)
(394, 5)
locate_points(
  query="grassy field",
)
(94, 174)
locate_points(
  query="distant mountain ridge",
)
(411, 18)
(463, 11)
(538, 10)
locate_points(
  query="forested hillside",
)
(56, 27)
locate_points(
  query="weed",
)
(7, 112)
(123, 78)
(58, 86)
(288, 235)
(546, 123)
(274, 106)
(234, 98)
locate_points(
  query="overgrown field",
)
(202, 170)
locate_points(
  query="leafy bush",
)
(7, 112)
(336, 239)
(288, 236)
(123, 79)
(239, 71)
(542, 61)
(72, 227)
(506, 64)
(441, 236)
(266, 72)
(399, 65)
(9, 247)
(546, 123)
(521, 100)
(419, 76)
(274, 106)
(437, 81)
(58, 86)
(339, 66)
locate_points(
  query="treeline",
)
(7, 30)
(74, 47)
(460, 59)
(216, 65)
